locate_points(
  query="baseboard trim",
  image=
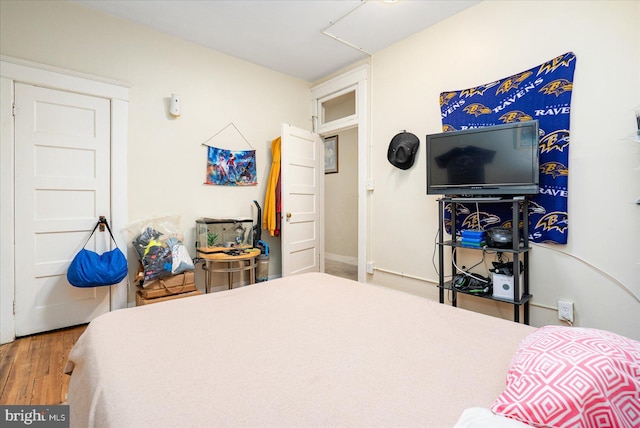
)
(342, 259)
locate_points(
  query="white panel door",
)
(302, 173)
(62, 175)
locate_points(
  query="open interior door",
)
(302, 175)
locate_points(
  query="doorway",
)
(341, 206)
(13, 72)
(340, 109)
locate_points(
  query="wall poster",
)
(231, 168)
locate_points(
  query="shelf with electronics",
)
(501, 286)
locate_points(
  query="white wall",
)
(490, 41)
(487, 42)
(166, 160)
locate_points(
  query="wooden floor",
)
(340, 269)
(31, 368)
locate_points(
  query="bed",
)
(302, 351)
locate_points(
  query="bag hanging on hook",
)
(90, 269)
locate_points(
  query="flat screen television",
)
(486, 161)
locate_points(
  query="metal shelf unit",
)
(519, 250)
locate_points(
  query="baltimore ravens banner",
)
(231, 168)
(542, 93)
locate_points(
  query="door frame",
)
(17, 70)
(356, 79)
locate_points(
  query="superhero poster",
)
(542, 93)
(231, 168)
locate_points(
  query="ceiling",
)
(307, 39)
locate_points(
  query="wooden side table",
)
(230, 265)
(141, 300)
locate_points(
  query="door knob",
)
(288, 215)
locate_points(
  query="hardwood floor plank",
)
(48, 391)
(3, 350)
(11, 386)
(56, 372)
(38, 391)
(42, 352)
(23, 373)
(7, 366)
(32, 367)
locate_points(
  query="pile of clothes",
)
(161, 252)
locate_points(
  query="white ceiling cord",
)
(325, 31)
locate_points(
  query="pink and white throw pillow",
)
(573, 377)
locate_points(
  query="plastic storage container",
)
(262, 268)
(218, 234)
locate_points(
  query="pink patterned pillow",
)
(573, 377)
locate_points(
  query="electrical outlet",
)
(371, 184)
(369, 267)
(565, 311)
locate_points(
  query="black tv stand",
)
(519, 250)
(476, 198)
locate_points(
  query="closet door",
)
(62, 186)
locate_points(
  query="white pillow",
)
(479, 417)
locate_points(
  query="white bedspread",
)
(302, 351)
